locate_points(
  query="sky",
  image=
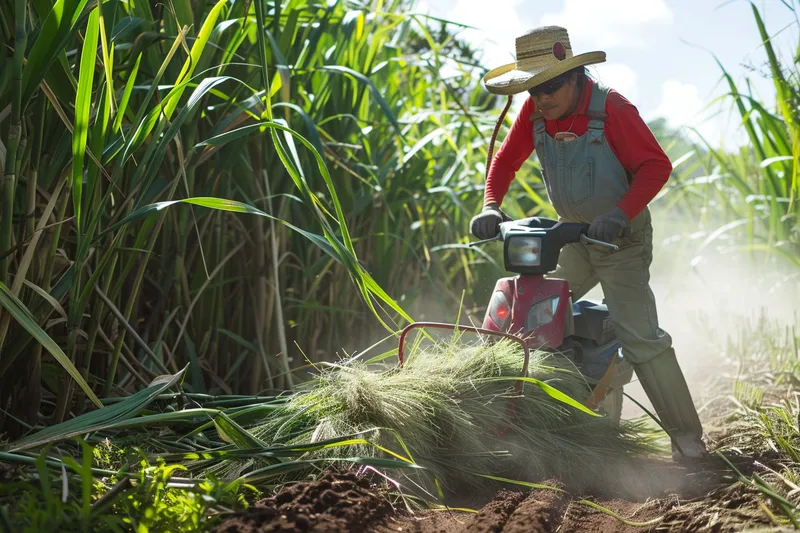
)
(660, 53)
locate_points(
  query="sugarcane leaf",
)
(776, 159)
(235, 434)
(48, 298)
(185, 416)
(238, 339)
(222, 204)
(384, 105)
(108, 60)
(126, 95)
(102, 418)
(197, 380)
(311, 126)
(22, 315)
(379, 462)
(256, 411)
(48, 45)
(197, 50)
(83, 107)
(272, 471)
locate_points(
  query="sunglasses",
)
(548, 87)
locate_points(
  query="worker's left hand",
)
(609, 226)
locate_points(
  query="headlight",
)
(524, 251)
(541, 313)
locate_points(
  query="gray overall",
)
(584, 180)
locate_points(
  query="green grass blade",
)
(143, 127)
(313, 131)
(550, 391)
(528, 484)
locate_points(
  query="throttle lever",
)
(589, 240)
(484, 241)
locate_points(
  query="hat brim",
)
(510, 80)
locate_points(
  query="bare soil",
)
(336, 503)
(696, 498)
(705, 499)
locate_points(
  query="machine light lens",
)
(499, 310)
(541, 313)
(502, 311)
(524, 251)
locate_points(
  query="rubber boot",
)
(665, 386)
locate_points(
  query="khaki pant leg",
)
(575, 268)
(625, 277)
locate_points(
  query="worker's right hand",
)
(486, 225)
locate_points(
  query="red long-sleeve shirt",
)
(628, 136)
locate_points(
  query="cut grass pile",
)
(453, 409)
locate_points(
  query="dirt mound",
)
(494, 516)
(344, 502)
(336, 503)
(707, 503)
(540, 511)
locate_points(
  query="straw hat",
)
(542, 54)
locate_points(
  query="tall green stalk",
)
(14, 135)
(280, 324)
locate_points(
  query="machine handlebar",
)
(568, 231)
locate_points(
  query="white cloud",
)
(496, 28)
(619, 77)
(610, 23)
(680, 103)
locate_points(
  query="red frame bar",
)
(441, 325)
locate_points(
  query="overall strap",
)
(538, 122)
(597, 112)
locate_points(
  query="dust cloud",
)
(706, 291)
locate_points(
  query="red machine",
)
(539, 313)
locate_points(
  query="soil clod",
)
(337, 503)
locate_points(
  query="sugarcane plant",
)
(139, 140)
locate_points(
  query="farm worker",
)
(601, 165)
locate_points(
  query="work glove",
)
(609, 226)
(486, 225)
